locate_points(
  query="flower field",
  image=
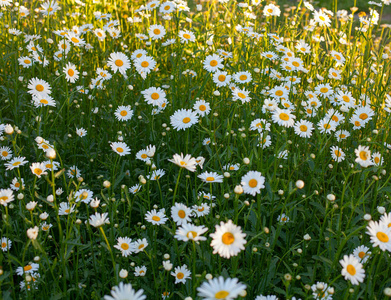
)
(194, 150)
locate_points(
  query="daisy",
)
(337, 153)
(140, 271)
(167, 7)
(271, 10)
(321, 293)
(346, 99)
(83, 195)
(140, 245)
(186, 36)
(190, 232)
(181, 274)
(253, 182)
(231, 167)
(303, 128)
(377, 159)
(156, 174)
(324, 90)
(75, 39)
(156, 217)
(212, 63)
(380, 235)
(144, 64)
(125, 246)
(28, 269)
(43, 100)
(210, 177)
(241, 94)
(38, 169)
(45, 226)
(123, 113)
(342, 135)
(322, 19)
(138, 53)
(154, 95)
(279, 92)
(283, 117)
(6, 196)
(220, 288)
(334, 74)
(134, 189)
(221, 78)
(16, 162)
(38, 87)
(71, 74)
(5, 244)
(338, 56)
(268, 297)
(142, 155)
(120, 148)
(326, 126)
(156, 32)
(98, 220)
(125, 291)
(265, 141)
(186, 162)
(362, 253)
(180, 213)
(202, 108)
(364, 113)
(201, 210)
(283, 218)
(25, 61)
(73, 172)
(352, 269)
(204, 195)
(16, 184)
(269, 55)
(81, 132)
(64, 209)
(183, 119)
(118, 62)
(100, 34)
(49, 7)
(103, 74)
(363, 156)
(5, 153)
(335, 116)
(228, 240)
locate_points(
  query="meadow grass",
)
(205, 150)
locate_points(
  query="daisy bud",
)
(367, 217)
(227, 175)
(307, 287)
(351, 291)
(167, 265)
(20, 196)
(166, 256)
(148, 163)
(246, 160)
(243, 293)
(132, 264)
(288, 277)
(257, 70)
(37, 258)
(28, 278)
(320, 286)
(50, 41)
(123, 273)
(266, 230)
(300, 184)
(51, 153)
(199, 7)
(1, 272)
(280, 192)
(32, 233)
(188, 298)
(344, 108)
(330, 290)
(50, 198)
(78, 221)
(307, 237)
(381, 210)
(216, 93)
(106, 184)
(246, 203)
(255, 249)
(238, 190)
(20, 78)
(387, 292)
(226, 195)
(8, 129)
(143, 227)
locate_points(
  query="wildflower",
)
(120, 148)
(187, 162)
(253, 182)
(380, 235)
(212, 63)
(156, 174)
(38, 169)
(322, 19)
(228, 240)
(125, 291)
(362, 253)
(81, 132)
(73, 172)
(201, 210)
(190, 232)
(118, 61)
(283, 218)
(6, 244)
(84, 195)
(183, 119)
(181, 274)
(283, 117)
(65, 209)
(352, 269)
(220, 288)
(123, 113)
(363, 156)
(271, 10)
(145, 64)
(180, 213)
(202, 107)
(140, 245)
(98, 220)
(303, 128)
(337, 153)
(125, 246)
(32, 233)
(71, 74)
(210, 177)
(38, 87)
(5, 153)
(156, 217)
(28, 269)
(186, 36)
(241, 94)
(140, 271)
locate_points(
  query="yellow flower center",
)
(279, 93)
(120, 150)
(337, 153)
(4, 198)
(144, 155)
(377, 160)
(156, 31)
(180, 275)
(181, 214)
(284, 116)
(145, 64)
(324, 90)
(123, 113)
(156, 218)
(124, 246)
(200, 209)
(363, 116)
(38, 171)
(382, 237)
(67, 211)
(334, 74)
(326, 126)
(3, 245)
(210, 178)
(351, 270)
(155, 96)
(346, 99)
(119, 63)
(221, 78)
(17, 184)
(269, 10)
(26, 61)
(39, 87)
(241, 95)
(296, 64)
(167, 7)
(252, 183)
(337, 56)
(322, 18)
(243, 77)
(4, 153)
(228, 238)
(361, 254)
(75, 40)
(222, 294)
(27, 268)
(193, 233)
(202, 107)
(186, 120)
(71, 72)
(213, 63)
(17, 163)
(363, 155)
(303, 128)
